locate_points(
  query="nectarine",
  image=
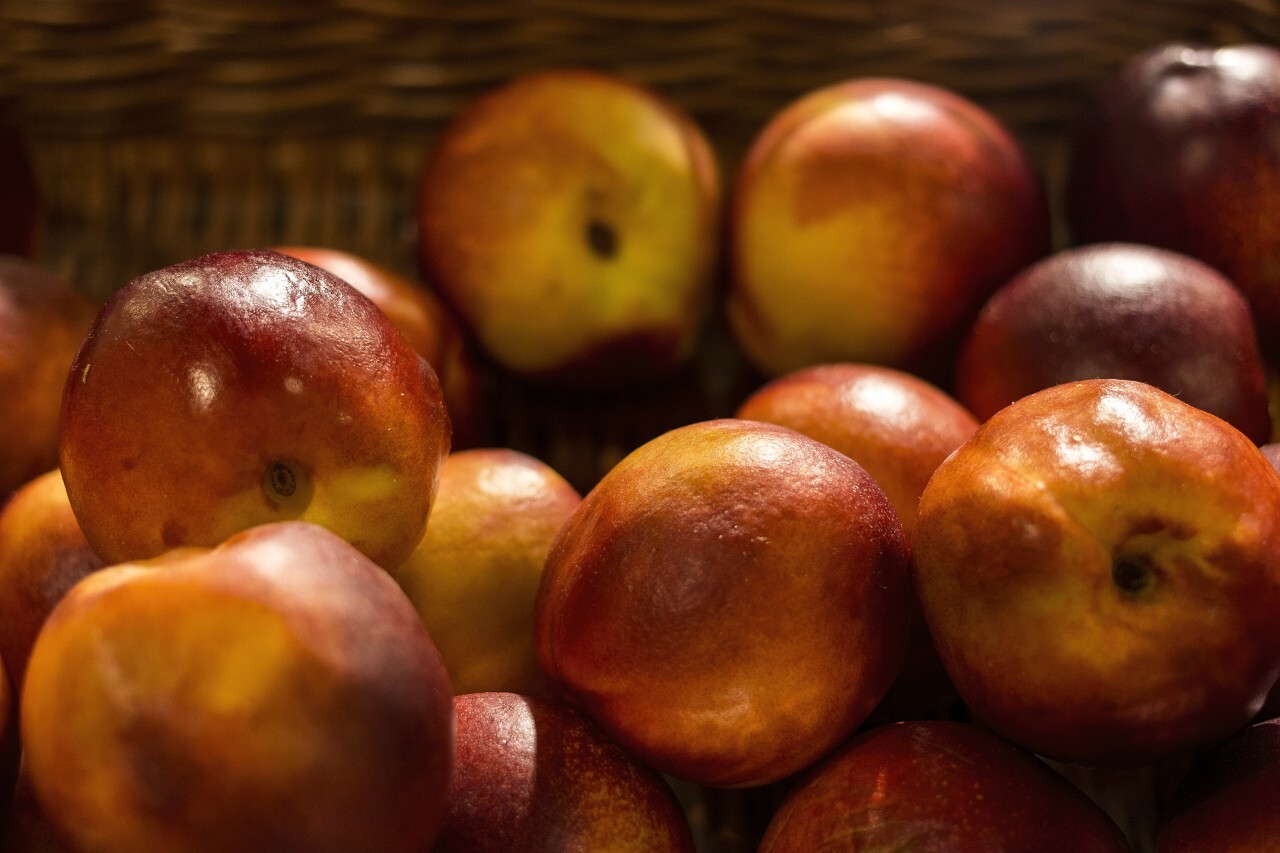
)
(240, 388)
(275, 693)
(571, 218)
(1098, 567)
(728, 603)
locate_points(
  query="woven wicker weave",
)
(163, 129)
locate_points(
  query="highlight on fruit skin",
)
(894, 424)
(428, 326)
(240, 388)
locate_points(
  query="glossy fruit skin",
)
(474, 577)
(894, 424)
(937, 787)
(535, 775)
(1119, 311)
(868, 223)
(1097, 567)
(426, 324)
(1227, 801)
(571, 219)
(1181, 149)
(899, 428)
(43, 554)
(728, 603)
(241, 388)
(43, 320)
(276, 693)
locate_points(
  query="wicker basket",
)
(163, 129)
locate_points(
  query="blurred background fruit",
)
(1119, 311)
(870, 220)
(571, 218)
(43, 320)
(1227, 799)
(1180, 148)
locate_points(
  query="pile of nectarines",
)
(988, 504)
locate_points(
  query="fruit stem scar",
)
(282, 479)
(1131, 576)
(602, 239)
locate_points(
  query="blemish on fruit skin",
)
(84, 374)
(173, 534)
(603, 239)
(1150, 525)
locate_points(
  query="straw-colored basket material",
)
(164, 129)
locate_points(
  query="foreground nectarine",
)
(1098, 567)
(535, 776)
(870, 220)
(728, 603)
(241, 388)
(571, 218)
(274, 693)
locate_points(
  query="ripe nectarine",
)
(240, 388)
(728, 603)
(1098, 568)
